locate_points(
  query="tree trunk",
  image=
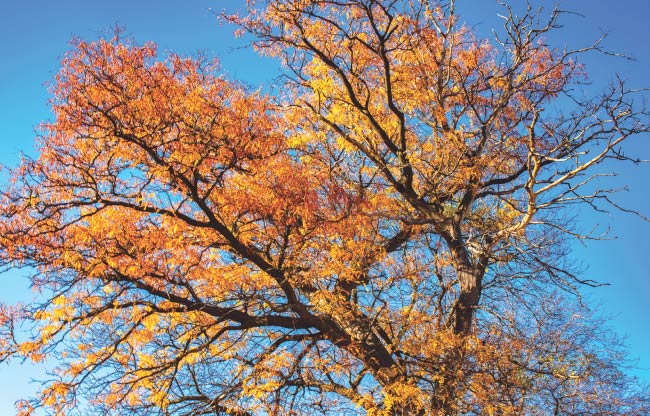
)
(470, 294)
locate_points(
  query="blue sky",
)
(34, 34)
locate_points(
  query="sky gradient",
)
(34, 34)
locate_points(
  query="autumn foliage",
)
(385, 238)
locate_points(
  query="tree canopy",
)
(387, 236)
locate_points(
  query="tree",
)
(385, 238)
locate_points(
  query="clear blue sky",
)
(34, 34)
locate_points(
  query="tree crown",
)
(386, 237)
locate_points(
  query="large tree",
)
(386, 237)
